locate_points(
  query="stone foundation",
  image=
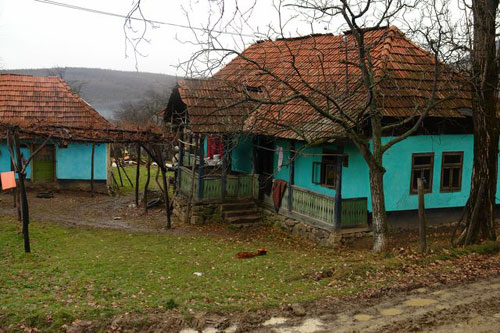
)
(201, 213)
(319, 236)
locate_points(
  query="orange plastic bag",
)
(8, 180)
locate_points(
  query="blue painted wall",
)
(72, 163)
(5, 161)
(397, 161)
(241, 154)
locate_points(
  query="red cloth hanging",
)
(279, 187)
(214, 146)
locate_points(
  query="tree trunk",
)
(24, 198)
(379, 217)
(479, 212)
(146, 186)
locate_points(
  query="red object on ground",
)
(245, 255)
(279, 187)
(8, 180)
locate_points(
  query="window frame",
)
(450, 188)
(422, 167)
(322, 170)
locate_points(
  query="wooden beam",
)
(180, 162)
(337, 218)
(291, 175)
(224, 167)
(200, 171)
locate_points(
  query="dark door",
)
(44, 165)
(264, 165)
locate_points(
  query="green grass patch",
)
(131, 170)
(77, 273)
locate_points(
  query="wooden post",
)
(224, 168)
(165, 195)
(137, 174)
(180, 162)
(337, 218)
(421, 216)
(117, 162)
(190, 150)
(92, 170)
(200, 171)
(24, 198)
(291, 175)
(146, 186)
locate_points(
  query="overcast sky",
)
(36, 35)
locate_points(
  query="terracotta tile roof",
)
(316, 66)
(44, 100)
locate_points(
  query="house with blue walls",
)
(283, 112)
(50, 102)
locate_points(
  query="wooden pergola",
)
(153, 139)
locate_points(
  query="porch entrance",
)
(44, 164)
(264, 165)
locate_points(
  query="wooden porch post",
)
(224, 166)
(190, 148)
(200, 171)
(291, 174)
(337, 218)
(92, 170)
(180, 162)
(137, 175)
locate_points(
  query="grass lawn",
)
(77, 273)
(131, 170)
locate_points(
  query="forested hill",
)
(106, 89)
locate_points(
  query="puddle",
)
(210, 330)
(275, 321)
(420, 302)
(391, 312)
(231, 329)
(308, 326)
(362, 317)
(421, 290)
(446, 295)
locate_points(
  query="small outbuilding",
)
(49, 101)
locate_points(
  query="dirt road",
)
(471, 307)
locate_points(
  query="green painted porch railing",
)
(320, 207)
(237, 187)
(189, 159)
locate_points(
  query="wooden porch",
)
(305, 205)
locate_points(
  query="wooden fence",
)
(308, 206)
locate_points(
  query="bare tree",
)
(479, 214)
(354, 109)
(144, 111)
(75, 85)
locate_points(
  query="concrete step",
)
(243, 219)
(232, 206)
(242, 212)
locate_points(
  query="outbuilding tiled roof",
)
(44, 100)
(325, 68)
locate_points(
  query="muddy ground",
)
(436, 307)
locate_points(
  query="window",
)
(451, 172)
(422, 166)
(325, 172)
